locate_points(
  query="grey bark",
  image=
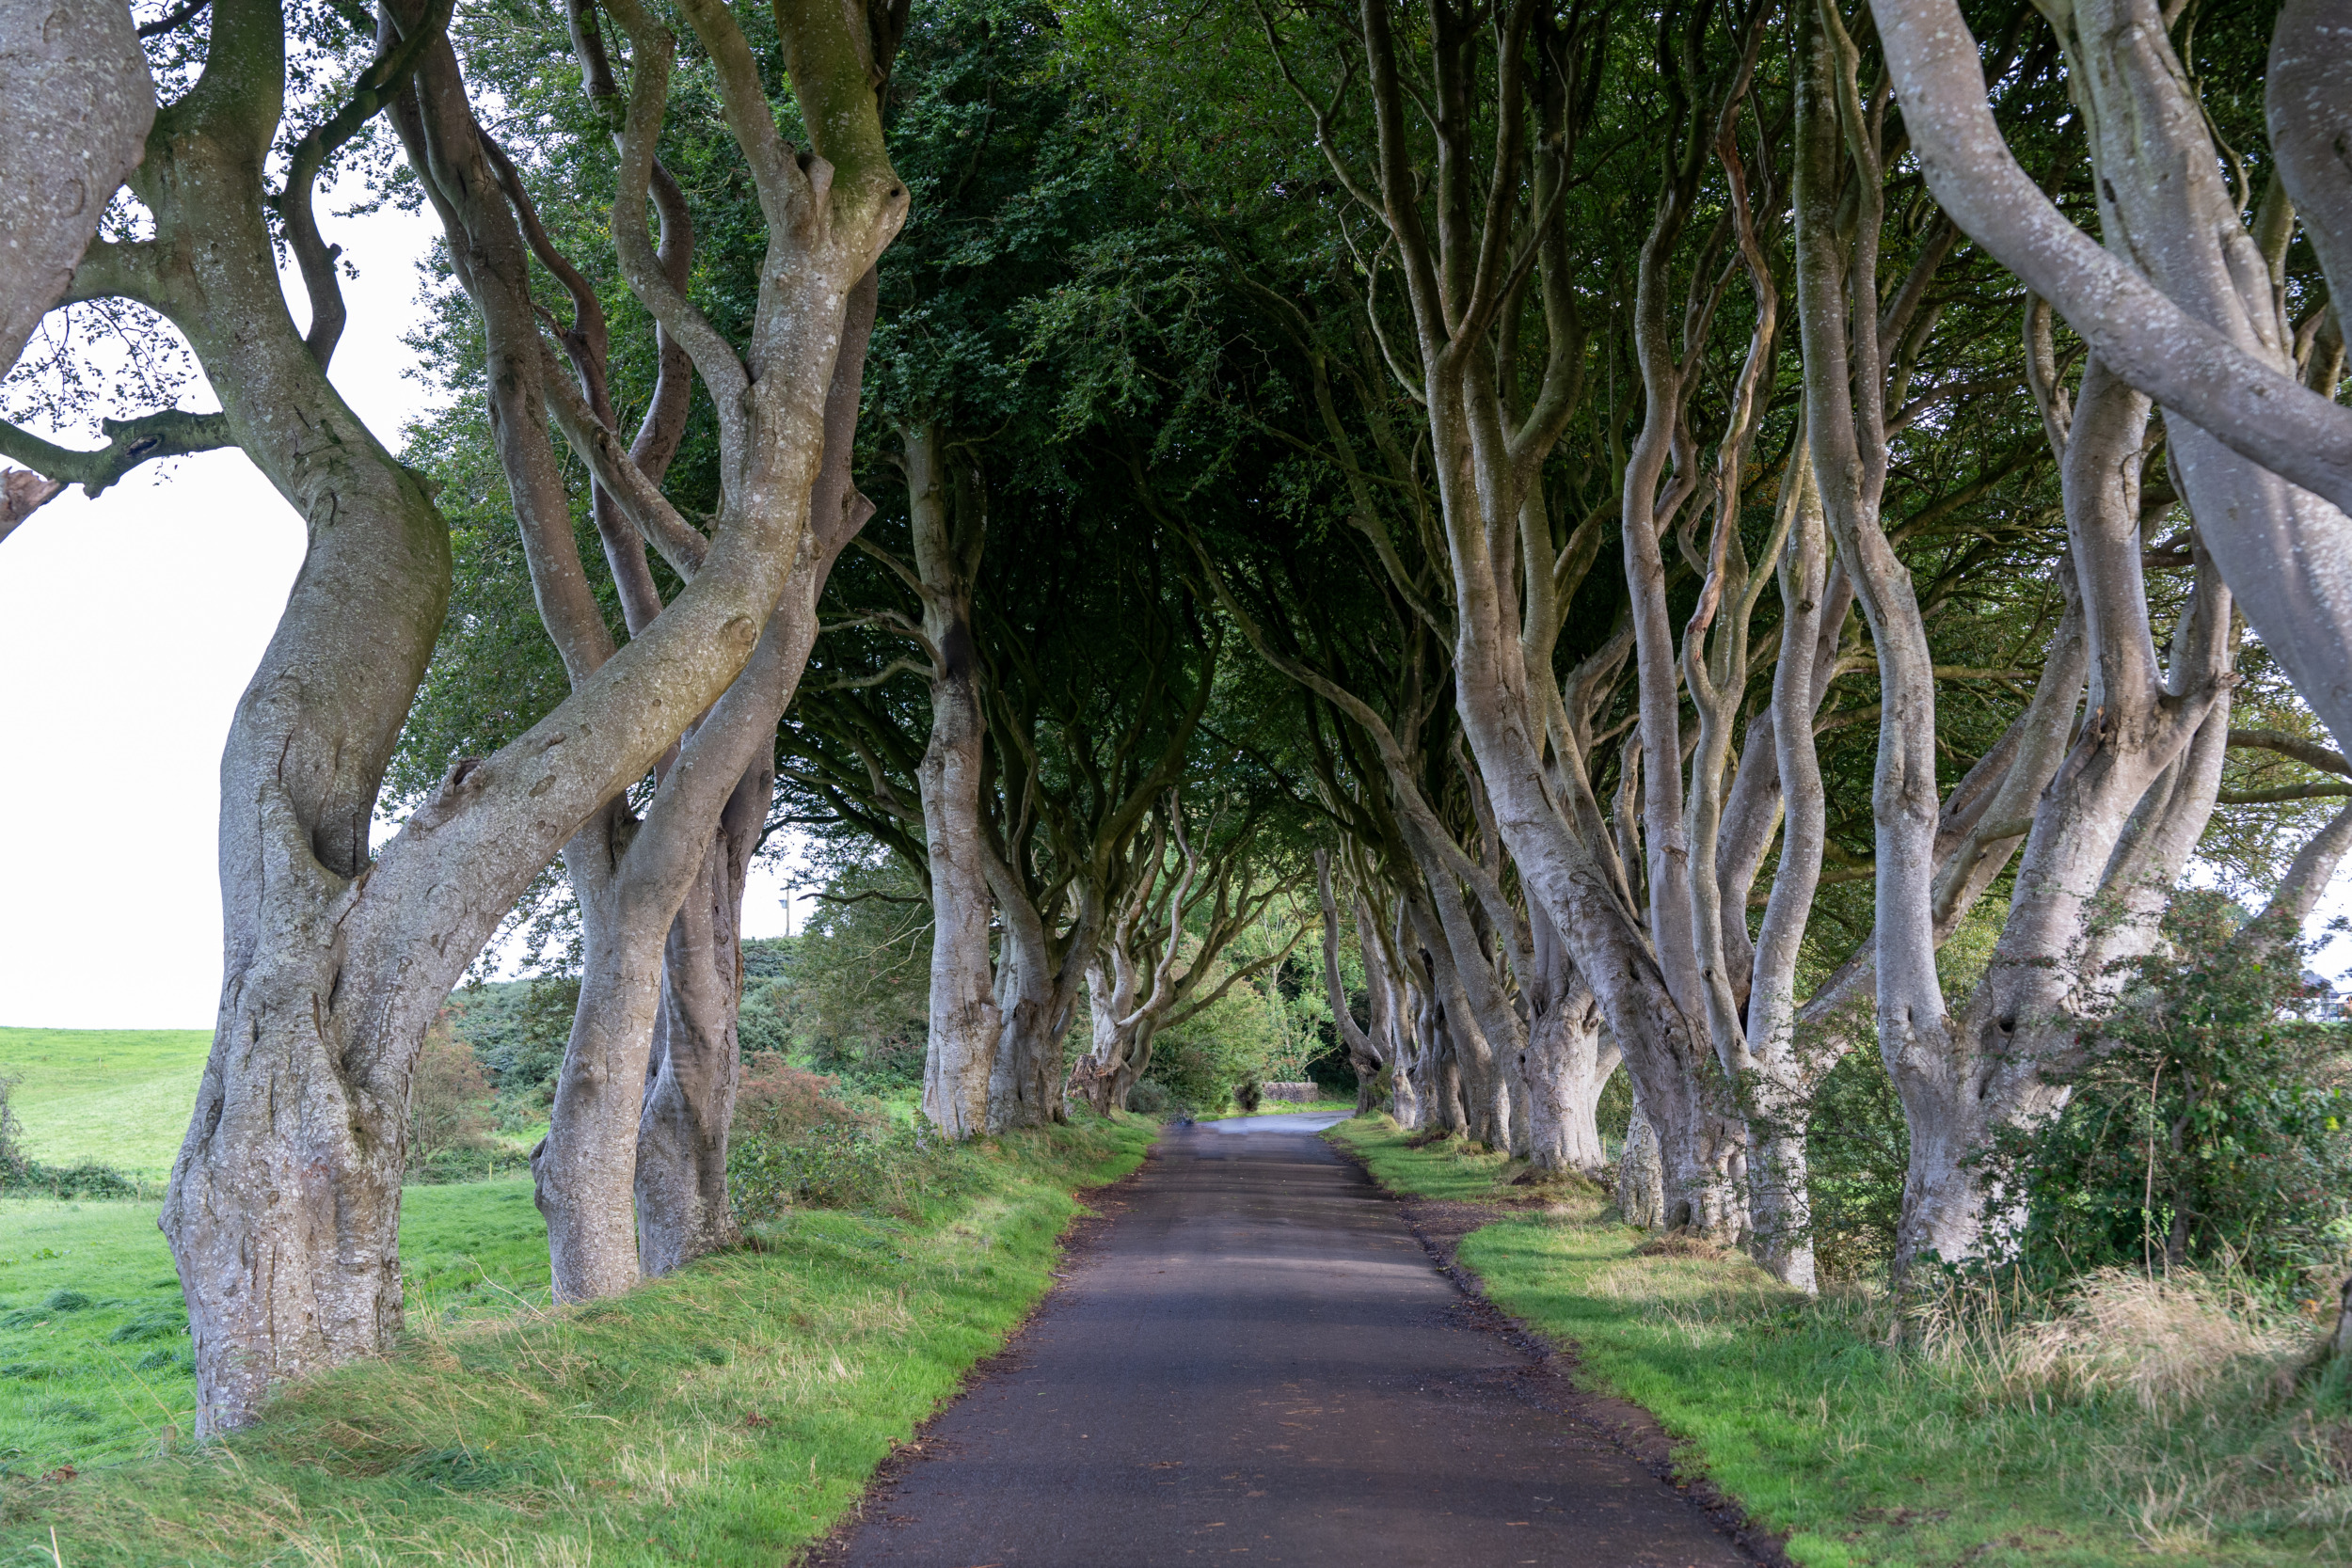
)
(612, 1215)
(1641, 1176)
(1363, 1042)
(1844, 373)
(1486, 457)
(950, 529)
(75, 106)
(2178, 305)
(2111, 834)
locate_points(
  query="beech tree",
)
(2182, 299)
(631, 1182)
(284, 1208)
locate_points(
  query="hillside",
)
(114, 1096)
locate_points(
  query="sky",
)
(129, 626)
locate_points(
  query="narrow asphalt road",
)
(1256, 1357)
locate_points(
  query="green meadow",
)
(108, 1096)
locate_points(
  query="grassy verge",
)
(727, 1413)
(1871, 1446)
(112, 1097)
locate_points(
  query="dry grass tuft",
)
(2168, 1344)
(1680, 1243)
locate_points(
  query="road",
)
(1256, 1357)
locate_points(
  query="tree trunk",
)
(1641, 1176)
(284, 1198)
(1362, 1044)
(683, 1207)
(1036, 995)
(1566, 1067)
(75, 105)
(964, 1021)
(284, 1204)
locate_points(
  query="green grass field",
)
(1883, 1456)
(109, 1097)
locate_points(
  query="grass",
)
(112, 1097)
(94, 1362)
(1979, 1431)
(727, 1413)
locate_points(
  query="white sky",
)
(114, 707)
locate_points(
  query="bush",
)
(1147, 1099)
(2213, 1128)
(82, 1181)
(797, 1140)
(1857, 1153)
(1248, 1094)
(448, 1099)
(518, 1030)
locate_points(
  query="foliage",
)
(727, 1413)
(518, 1030)
(797, 1142)
(1248, 1094)
(2212, 1128)
(852, 994)
(1857, 1151)
(449, 1098)
(1872, 1435)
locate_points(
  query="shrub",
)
(2212, 1128)
(518, 1030)
(1248, 1094)
(449, 1099)
(83, 1180)
(774, 1099)
(797, 1140)
(1147, 1099)
(1857, 1152)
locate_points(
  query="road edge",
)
(1436, 1225)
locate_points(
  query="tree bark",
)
(75, 106)
(2180, 306)
(1362, 1044)
(964, 1021)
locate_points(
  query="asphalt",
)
(1256, 1357)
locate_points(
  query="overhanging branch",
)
(172, 433)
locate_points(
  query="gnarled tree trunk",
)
(949, 533)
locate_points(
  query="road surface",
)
(1255, 1361)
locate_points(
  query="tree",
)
(284, 1204)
